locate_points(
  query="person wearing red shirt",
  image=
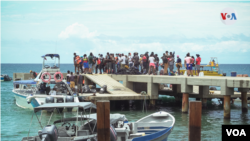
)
(198, 63)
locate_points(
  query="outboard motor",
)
(67, 100)
(60, 100)
(102, 91)
(113, 134)
(86, 89)
(49, 99)
(49, 133)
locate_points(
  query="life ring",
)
(46, 81)
(59, 74)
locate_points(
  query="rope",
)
(29, 126)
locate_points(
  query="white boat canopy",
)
(84, 105)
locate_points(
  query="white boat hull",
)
(21, 101)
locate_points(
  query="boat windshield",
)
(51, 62)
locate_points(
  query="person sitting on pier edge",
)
(178, 64)
(74, 58)
(85, 64)
(188, 61)
(79, 82)
(198, 63)
(72, 82)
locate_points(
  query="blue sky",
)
(30, 29)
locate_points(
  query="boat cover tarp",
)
(47, 106)
(25, 82)
(113, 117)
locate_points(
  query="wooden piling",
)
(103, 120)
(244, 102)
(204, 103)
(227, 108)
(185, 102)
(195, 108)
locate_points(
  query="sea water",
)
(15, 121)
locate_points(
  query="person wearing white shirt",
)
(122, 60)
(151, 60)
(53, 92)
(130, 63)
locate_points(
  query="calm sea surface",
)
(15, 121)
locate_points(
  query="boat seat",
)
(62, 132)
(82, 132)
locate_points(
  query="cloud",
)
(77, 30)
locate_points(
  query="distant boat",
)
(5, 77)
(214, 68)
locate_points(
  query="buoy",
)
(46, 81)
(56, 78)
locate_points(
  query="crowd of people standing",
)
(148, 64)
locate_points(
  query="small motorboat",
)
(5, 77)
(83, 127)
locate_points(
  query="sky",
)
(30, 29)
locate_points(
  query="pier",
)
(183, 87)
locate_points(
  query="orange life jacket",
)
(78, 60)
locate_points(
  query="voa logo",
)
(236, 132)
(228, 16)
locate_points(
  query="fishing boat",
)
(5, 77)
(32, 93)
(83, 127)
(213, 70)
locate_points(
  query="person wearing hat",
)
(198, 63)
(178, 64)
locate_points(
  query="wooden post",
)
(185, 103)
(103, 120)
(227, 109)
(204, 103)
(244, 102)
(194, 121)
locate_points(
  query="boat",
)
(213, 70)
(5, 77)
(83, 127)
(35, 92)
